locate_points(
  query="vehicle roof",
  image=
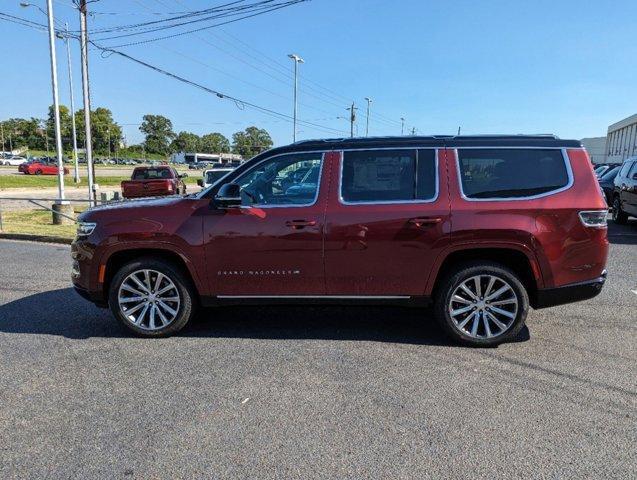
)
(450, 141)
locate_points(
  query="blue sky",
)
(564, 67)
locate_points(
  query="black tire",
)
(619, 216)
(184, 287)
(38, 172)
(443, 294)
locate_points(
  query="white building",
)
(621, 140)
(190, 157)
(596, 148)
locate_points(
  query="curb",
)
(36, 238)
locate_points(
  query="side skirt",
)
(405, 301)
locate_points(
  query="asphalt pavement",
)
(311, 392)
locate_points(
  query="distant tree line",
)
(107, 135)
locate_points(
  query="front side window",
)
(370, 176)
(511, 173)
(624, 171)
(291, 179)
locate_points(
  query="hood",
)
(131, 208)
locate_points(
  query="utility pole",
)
(369, 101)
(352, 118)
(56, 102)
(296, 60)
(402, 125)
(67, 40)
(458, 130)
(413, 131)
(2, 134)
(87, 101)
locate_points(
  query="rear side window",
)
(624, 171)
(388, 175)
(511, 173)
(152, 173)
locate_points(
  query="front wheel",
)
(481, 304)
(151, 297)
(619, 216)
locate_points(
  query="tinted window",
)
(212, 176)
(151, 173)
(276, 181)
(388, 175)
(624, 170)
(511, 173)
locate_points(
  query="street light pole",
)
(296, 60)
(369, 101)
(67, 39)
(87, 101)
(402, 125)
(56, 102)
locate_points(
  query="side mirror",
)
(200, 182)
(229, 196)
(634, 176)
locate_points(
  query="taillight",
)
(594, 218)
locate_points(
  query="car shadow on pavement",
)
(623, 234)
(62, 312)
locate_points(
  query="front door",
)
(388, 218)
(273, 244)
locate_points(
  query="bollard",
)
(63, 208)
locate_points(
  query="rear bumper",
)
(574, 292)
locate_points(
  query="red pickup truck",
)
(153, 182)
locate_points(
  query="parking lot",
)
(311, 392)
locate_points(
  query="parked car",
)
(43, 166)
(212, 176)
(602, 169)
(153, 182)
(14, 160)
(607, 183)
(625, 192)
(482, 228)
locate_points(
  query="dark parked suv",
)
(480, 227)
(625, 192)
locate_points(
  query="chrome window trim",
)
(567, 164)
(390, 202)
(298, 205)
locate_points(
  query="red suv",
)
(481, 227)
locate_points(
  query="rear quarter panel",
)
(547, 229)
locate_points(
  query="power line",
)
(238, 102)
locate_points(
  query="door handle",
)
(298, 224)
(425, 221)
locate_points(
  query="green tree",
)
(215, 143)
(22, 132)
(159, 133)
(186, 142)
(105, 132)
(65, 127)
(251, 141)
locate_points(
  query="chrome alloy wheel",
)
(148, 299)
(483, 306)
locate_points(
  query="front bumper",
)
(574, 292)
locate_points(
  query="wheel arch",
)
(119, 258)
(515, 257)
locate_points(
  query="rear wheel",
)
(619, 216)
(151, 297)
(481, 304)
(38, 172)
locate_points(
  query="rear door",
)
(630, 191)
(388, 218)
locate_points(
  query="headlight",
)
(84, 229)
